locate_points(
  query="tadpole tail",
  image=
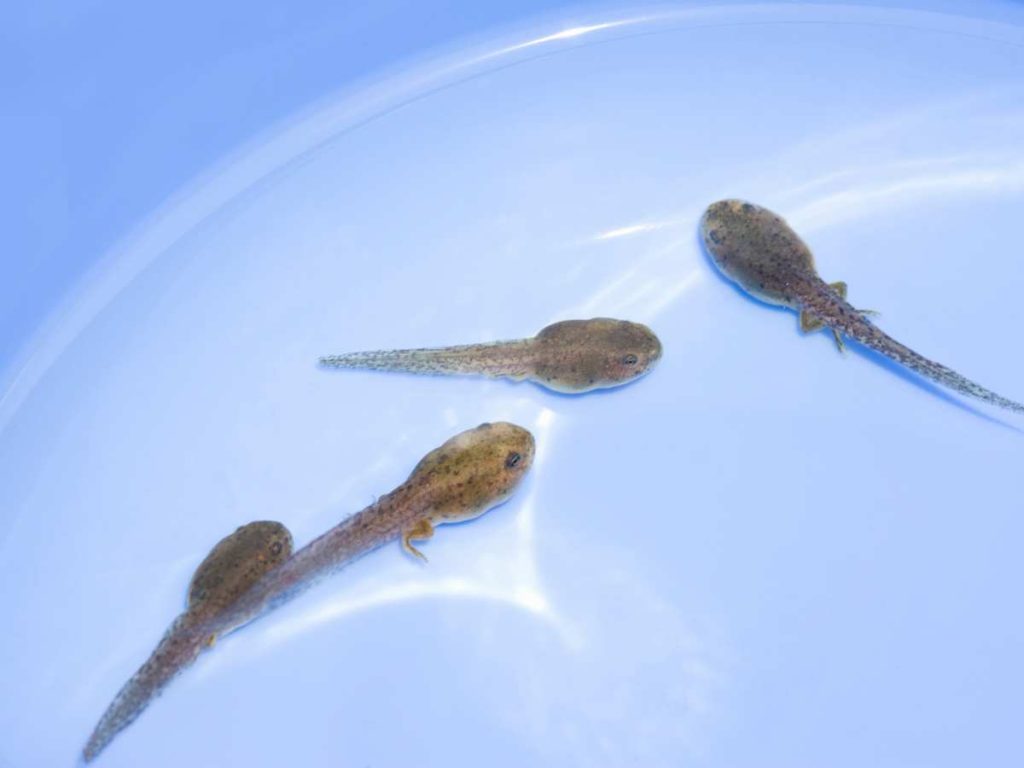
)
(850, 322)
(501, 358)
(178, 648)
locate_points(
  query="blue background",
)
(764, 554)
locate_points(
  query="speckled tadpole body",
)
(758, 250)
(237, 562)
(570, 356)
(469, 474)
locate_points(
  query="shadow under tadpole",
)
(928, 386)
(602, 392)
(505, 380)
(867, 353)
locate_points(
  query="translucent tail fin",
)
(501, 358)
(177, 650)
(852, 324)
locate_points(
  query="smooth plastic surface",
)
(763, 554)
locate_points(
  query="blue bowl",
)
(763, 554)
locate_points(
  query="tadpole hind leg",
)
(840, 287)
(810, 323)
(420, 531)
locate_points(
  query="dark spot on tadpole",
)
(748, 208)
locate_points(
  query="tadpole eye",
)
(513, 459)
(275, 548)
(630, 360)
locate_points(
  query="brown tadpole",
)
(571, 356)
(761, 253)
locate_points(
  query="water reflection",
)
(655, 278)
(889, 187)
(636, 681)
(632, 229)
(565, 34)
